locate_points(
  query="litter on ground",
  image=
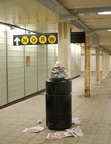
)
(35, 129)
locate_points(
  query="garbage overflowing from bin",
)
(58, 99)
(58, 71)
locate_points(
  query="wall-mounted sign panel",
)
(48, 38)
(77, 37)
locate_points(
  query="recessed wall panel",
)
(51, 58)
(3, 77)
(30, 69)
(75, 60)
(15, 58)
(42, 66)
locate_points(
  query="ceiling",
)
(86, 12)
(43, 15)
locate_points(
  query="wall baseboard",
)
(22, 99)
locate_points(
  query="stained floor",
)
(94, 112)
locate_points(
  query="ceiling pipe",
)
(12, 26)
(63, 13)
(98, 47)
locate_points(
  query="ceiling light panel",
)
(105, 13)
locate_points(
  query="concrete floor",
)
(94, 112)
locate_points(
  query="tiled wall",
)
(3, 75)
(93, 61)
(75, 60)
(17, 77)
(24, 69)
(51, 58)
(15, 70)
(42, 66)
(31, 69)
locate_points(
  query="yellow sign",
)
(33, 39)
(42, 39)
(52, 39)
(24, 40)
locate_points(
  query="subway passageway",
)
(94, 113)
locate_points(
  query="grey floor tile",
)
(94, 112)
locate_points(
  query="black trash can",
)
(58, 103)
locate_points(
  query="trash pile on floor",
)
(35, 129)
(72, 132)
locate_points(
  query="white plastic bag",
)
(76, 120)
(35, 129)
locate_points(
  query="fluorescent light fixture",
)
(104, 13)
(109, 30)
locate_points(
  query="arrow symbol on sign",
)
(17, 40)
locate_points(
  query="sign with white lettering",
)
(37, 39)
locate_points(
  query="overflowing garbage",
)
(58, 71)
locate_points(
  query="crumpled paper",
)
(75, 131)
(35, 129)
(76, 120)
(72, 132)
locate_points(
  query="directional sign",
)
(52, 39)
(33, 39)
(48, 38)
(17, 40)
(42, 39)
(24, 40)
